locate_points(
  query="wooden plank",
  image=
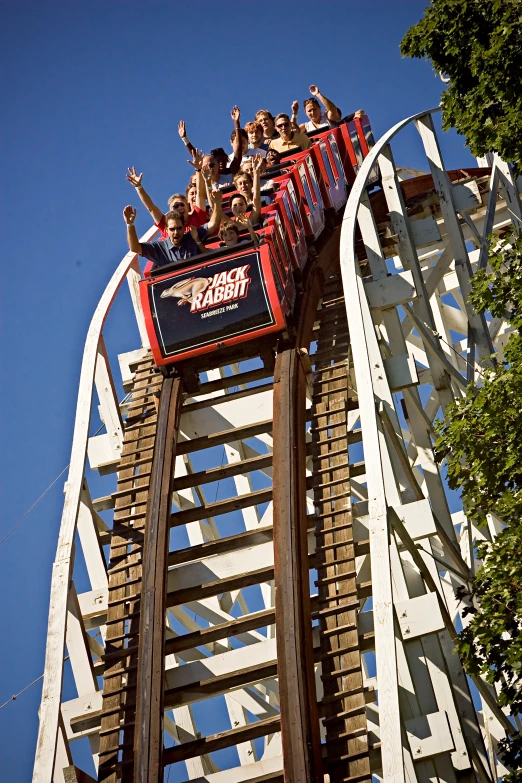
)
(223, 472)
(234, 380)
(198, 592)
(221, 631)
(221, 507)
(223, 683)
(227, 436)
(225, 739)
(151, 658)
(299, 716)
(123, 617)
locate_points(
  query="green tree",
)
(481, 439)
(478, 45)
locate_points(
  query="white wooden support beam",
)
(88, 531)
(109, 405)
(390, 291)
(133, 280)
(449, 212)
(419, 616)
(429, 735)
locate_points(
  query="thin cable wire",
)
(51, 485)
(14, 698)
(44, 493)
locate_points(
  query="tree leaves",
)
(478, 44)
(481, 440)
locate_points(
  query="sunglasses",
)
(178, 204)
(283, 125)
(211, 165)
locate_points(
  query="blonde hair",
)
(173, 198)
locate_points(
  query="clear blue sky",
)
(90, 88)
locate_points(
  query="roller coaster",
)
(272, 568)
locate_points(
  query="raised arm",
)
(257, 162)
(295, 112)
(184, 138)
(195, 236)
(237, 146)
(129, 216)
(332, 112)
(243, 220)
(216, 198)
(135, 180)
(201, 193)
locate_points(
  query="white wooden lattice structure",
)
(413, 338)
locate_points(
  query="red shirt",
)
(197, 218)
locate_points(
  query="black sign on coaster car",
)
(215, 302)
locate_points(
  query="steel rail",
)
(63, 563)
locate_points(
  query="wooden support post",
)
(148, 743)
(299, 716)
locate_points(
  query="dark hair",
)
(279, 116)
(243, 134)
(274, 152)
(174, 215)
(219, 152)
(238, 195)
(226, 225)
(312, 100)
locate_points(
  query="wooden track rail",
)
(272, 561)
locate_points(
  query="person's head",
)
(191, 193)
(175, 226)
(212, 162)
(255, 133)
(266, 120)
(246, 167)
(283, 126)
(178, 203)
(238, 204)
(229, 233)
(221, 158)
(244, 139)
(312, 109)
(273, 158)
(193, 179)
(244, 183)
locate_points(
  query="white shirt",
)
(324, 122)
(248, 154)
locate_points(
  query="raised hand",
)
(181, 129)
(207, 173)
(359, 113)
(244, 220)
(314, 89)
(133, 177)
(217, 197)
(197, 159)
(194, 233)
(129, 215)
(235, 114)
(295, 107)
(257, 162)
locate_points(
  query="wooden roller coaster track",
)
(272, 574)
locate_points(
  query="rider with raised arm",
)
(197, 216)
(219, 153)
(178, 245)
(326, 116)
